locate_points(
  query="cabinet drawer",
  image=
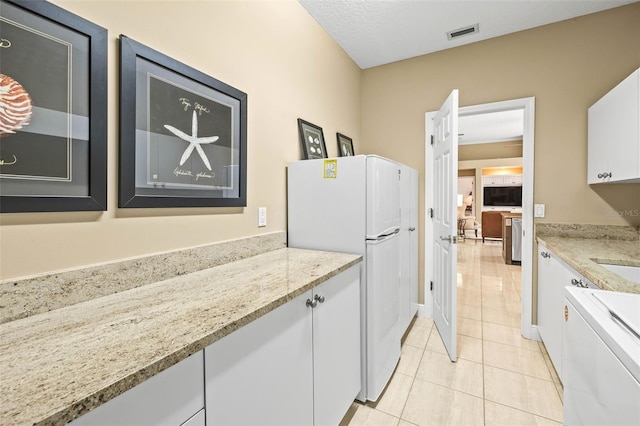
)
(169, 398)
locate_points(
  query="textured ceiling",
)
(377, 32)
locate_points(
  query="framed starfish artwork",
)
(183, 134)
(53, 110)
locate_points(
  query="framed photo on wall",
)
(183, 134)
(311, 140)
(345, 146)
(53, 119)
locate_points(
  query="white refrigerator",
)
(352, 205)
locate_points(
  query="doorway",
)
(527, 105)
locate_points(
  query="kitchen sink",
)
(631, 273)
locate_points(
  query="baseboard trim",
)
(535, 333)
(422, 311)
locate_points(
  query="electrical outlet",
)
(262, 217)
(538, 210)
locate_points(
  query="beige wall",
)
(482, 151)
(275, 52)
(290, 68)
(566, 66)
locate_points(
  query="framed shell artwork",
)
(312, 140)
(345, 145)
(53, 110)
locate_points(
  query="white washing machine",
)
(601, 357)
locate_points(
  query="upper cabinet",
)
(614, 134)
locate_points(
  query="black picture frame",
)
(311, 140)
(57, 160)
(164, 104)
(345, 145)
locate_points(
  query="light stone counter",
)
(20, 298)
(584, 247)
(60, 364)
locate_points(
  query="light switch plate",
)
(538, 210)
(262, 217)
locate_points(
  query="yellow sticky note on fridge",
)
(330, 169)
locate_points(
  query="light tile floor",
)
(500, 378)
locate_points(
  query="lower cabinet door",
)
(169, 398)
(336, 347)
(262, 373)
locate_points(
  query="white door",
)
(445, 153)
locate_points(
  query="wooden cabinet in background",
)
(492, 224)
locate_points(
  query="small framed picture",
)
(183, 134)
(312, 140)
(345, 146)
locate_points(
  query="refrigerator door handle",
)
(386, 233)
(382, 238)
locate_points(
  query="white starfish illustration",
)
(194, 141)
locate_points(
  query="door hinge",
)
(431, 213)
(431, 286)
(431, 139)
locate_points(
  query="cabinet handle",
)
(411, 229)
(566, 313)
(318, 298)
(545, 254)
(578, 283)
(312, 303)
(605, 175)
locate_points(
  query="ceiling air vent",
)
(460, 32)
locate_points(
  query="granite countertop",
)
(60, 364)
(585, 254)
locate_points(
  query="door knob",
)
(451, 238)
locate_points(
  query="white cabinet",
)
(172, 397)
(614, 134)
(492, 180)
(296, 365)
(408, 246)
(553, 276)
(550, 303)
(336, 347)
(502, 180)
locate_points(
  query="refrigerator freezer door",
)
(383, 195)
(327, 213)
(383, 302)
